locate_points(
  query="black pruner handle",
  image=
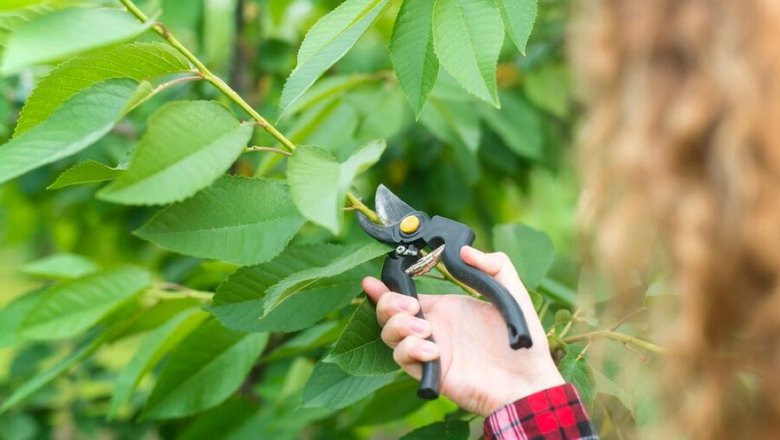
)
(395, 277)
(454, 236)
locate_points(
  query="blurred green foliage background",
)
(462, 159)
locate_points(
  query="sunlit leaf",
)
(187, 146)
(237, 219)
(60, 266)
(467, 36)
(86, 172)
(326, 42)
(319, 182)
(138, 61)
(69, 308)
(80, 122)
(60, 34)
(519, 17)
(411, 51)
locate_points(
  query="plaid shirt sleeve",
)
(552, 414)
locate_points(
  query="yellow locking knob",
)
(410, 224)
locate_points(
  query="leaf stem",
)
(166, 290)
(196, 77)
(216, 81)
(269, 149)
(355, 203)
(616, 336)
(231, 94)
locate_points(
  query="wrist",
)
(519, 386)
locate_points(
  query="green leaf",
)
(64, 33)
(604, 384)
(42, 379)
(203, 371)
(383, 110)
(219, 33)
(12, 316)
(548, 87)
(360, 350)
(60, 266)
(11, 5)
(79, 123)
(68, 309)
(19, 426)
(12, 18)
(237, 219)
(85, 172)
(519, 17)
(411, 51)
(575, 370)
(559, 292)
(518, 125)
(530, 250)
(187, 146)
(238, 302)
(326, 42)
(331, 387)
(220, 422)
(319, 182)
(138, 61)
(294, 284)
(449, 430)
(402, 394)
(154, 347)
(327, 89)
(467, 36)
(311, 338)
(452, 122)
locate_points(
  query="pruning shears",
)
(409, 231)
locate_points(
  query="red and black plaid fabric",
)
(552, 414)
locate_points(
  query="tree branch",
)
(616, 336)
(231, 94)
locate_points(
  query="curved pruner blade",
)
(389, 207)
(378, 232)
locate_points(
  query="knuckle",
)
(502, 257)
(399, 355)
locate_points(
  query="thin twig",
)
(625, 318)
(269, 149)
(231, 94)
(177, 81)
(168, 290)
(620, 337)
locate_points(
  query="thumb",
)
(496, 264)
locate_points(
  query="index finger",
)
(374, 288)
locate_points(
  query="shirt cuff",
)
(553, 414)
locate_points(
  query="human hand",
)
(480, 372)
